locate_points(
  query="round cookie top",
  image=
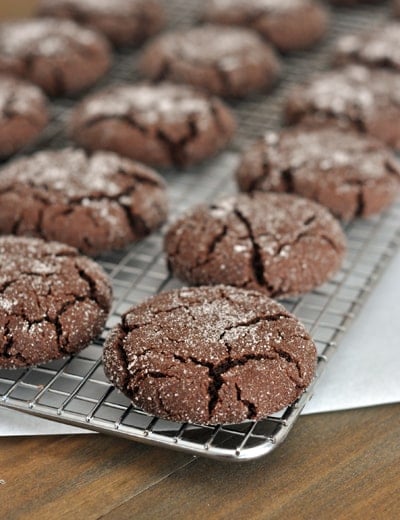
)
(53, 301)
(95, 203)
(279, 244)
(288, 24)
(23, 114)
(124, 22)
(161, 124)
(377, 48)
(22, 99)
(48, 51)
(368, 100)
(349, 173)
(223, 60)
(210, 355)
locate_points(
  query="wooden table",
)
(332, 466)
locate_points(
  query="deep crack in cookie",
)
(53, 301)
(279, 244)
(210, 355)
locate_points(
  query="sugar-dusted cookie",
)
(160, 125)
(53, 301)
(277, 243)
(210, 355)
(93, 202)
(226, 61)
(378, 47)
(23, 114)
(58, 55)
(124, 22)
(289, 25)
(353, 175)
(356, 97)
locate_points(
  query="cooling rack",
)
(75, 390)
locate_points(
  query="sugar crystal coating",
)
(279, 244)
(351, 174)
(95, 203)
(210, 355)
(53, 301)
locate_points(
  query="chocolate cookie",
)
(351, 174)
(210, 355)
(23, 114)
(290, 25)
(124, 22)
(53, 301)
(376, 48)
(95, 203)
(366, 100)
(164, 125)
(276, 243)
(226, 61)
(58, 55)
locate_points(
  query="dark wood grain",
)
(332, 466)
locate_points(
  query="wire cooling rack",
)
(75, 390)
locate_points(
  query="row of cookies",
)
(224, 386)
(54, 55)
(278, 244)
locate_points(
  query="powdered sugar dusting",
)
(147, 103)
(18, 97)
(352, 92)
(43, 36)
(224, 46)
(70, 173)
(379, 47)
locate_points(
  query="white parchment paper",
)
(365, 370)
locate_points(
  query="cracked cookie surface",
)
(356, 97)
(288, 24)
(277, 243)
(124, 22)
(58, 55)
(210, 355)
(379, 47)
(23, 114)
(225, 61)
(351, 174)
(93, 202)
(53, 301)
(163, 125)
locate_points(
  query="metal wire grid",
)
(75, 390)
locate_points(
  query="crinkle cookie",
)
(210, 355)
(229, 62)
(290, 25)
(23, 114)
(93, 202)
(160, 125)
(356, 97)
(276, 243)
(123, 22)
(379, 47)
(59, 56)
(353, 175)
(53, 301)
